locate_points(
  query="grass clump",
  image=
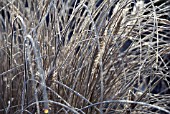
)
(84, 56)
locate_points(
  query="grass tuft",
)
(84, 56)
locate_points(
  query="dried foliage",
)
(84, 56)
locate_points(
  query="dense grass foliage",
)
(84, 56)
